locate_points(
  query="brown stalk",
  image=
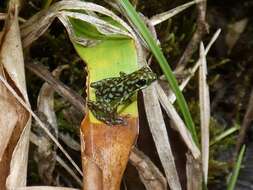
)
(245, 124)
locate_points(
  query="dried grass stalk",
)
(193, 173)
(157, 19)
(159, 133)
(204, 102)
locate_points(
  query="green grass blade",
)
(133, 15)
(224, 134)
(233, 179)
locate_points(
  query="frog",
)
(112, 92)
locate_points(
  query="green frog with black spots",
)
(115, 91)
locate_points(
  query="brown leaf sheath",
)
(105, 152)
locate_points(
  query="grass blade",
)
(158, 130)
(157, 19)
(204, 104)
(233, 179)
(224, 134)
(134, 17)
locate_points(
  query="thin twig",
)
(3, 16)
(245, 124)
(36, 140)
(74, 98)
(149, 174)
(69, 170)
(192, 71)
(159, 18)
(202, 28)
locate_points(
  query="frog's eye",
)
(141, 82)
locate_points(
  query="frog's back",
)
(105, 83)
(116, 90)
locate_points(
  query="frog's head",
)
(144, 77)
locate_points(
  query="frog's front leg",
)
(97, 84)
(105, 113)
(122, 74)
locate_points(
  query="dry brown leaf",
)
(16, 126)
(105, 152)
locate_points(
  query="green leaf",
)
(89, 31)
